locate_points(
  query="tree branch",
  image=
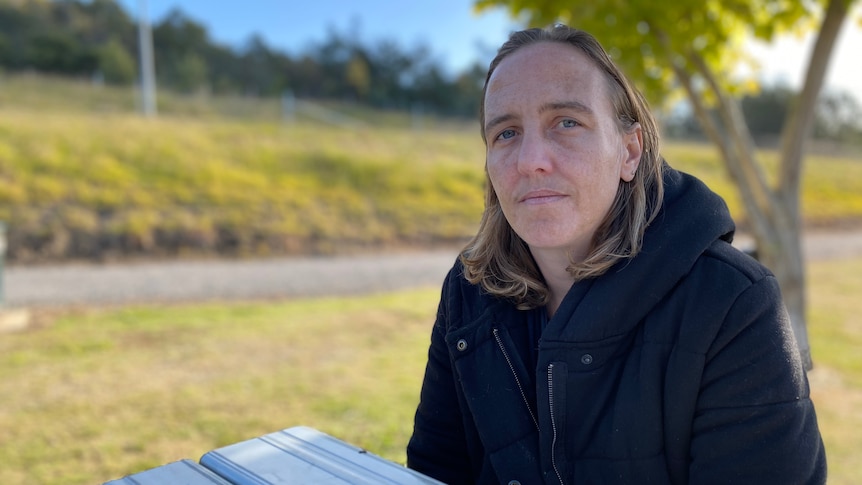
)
(753, 179)
(758, 208)
(721, 141)
(801, 118)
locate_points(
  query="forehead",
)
(545, 70)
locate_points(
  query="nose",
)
(534, 154)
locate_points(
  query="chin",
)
(539, 240)
(547, 244)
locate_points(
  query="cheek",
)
(497, 175)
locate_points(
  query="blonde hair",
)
(500, 261)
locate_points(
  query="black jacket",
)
(678, 366)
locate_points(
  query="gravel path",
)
(184, 281)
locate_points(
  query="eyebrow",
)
(498, 120)
(573, 105)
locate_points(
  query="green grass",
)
(831, 185)
(86, 186)
(82, 176)
(91, 395)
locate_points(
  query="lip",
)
(543, 196)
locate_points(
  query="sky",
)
(455, 34)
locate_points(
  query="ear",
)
(632, 150)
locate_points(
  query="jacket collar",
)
(691, 219)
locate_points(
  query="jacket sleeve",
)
(438, 447)
(755, 422)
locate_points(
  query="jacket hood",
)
(691, 219)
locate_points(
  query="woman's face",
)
(555, 152)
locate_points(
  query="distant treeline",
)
(836, 118)
(98, 39)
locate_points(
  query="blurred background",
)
(221, 219)
(95, 183)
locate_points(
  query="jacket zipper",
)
(515, 375)
(553, 423)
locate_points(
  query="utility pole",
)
(2, 259)
(148, 69)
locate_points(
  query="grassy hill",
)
(83, 176)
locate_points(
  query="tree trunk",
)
(774, 214)
(785, 254)
(780, 249)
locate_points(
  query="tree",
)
(766, 111)
(263, 69)
(59, 52)
(181, 43)
(695, 46)
(839, 118)
(115, 63)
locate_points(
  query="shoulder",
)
(726, 293)
(458, 295)
(728, 272)
(462, 302)
(734, 260)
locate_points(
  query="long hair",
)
(499, 260)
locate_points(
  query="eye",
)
(569, 123)
(506, 134)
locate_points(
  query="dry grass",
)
(90, 395)
(97, 394)
(836, 336)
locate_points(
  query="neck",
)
(553, 267)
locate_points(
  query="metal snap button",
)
(514, 482)
(461, 345)
(586, 359)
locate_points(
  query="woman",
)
(600, 328)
